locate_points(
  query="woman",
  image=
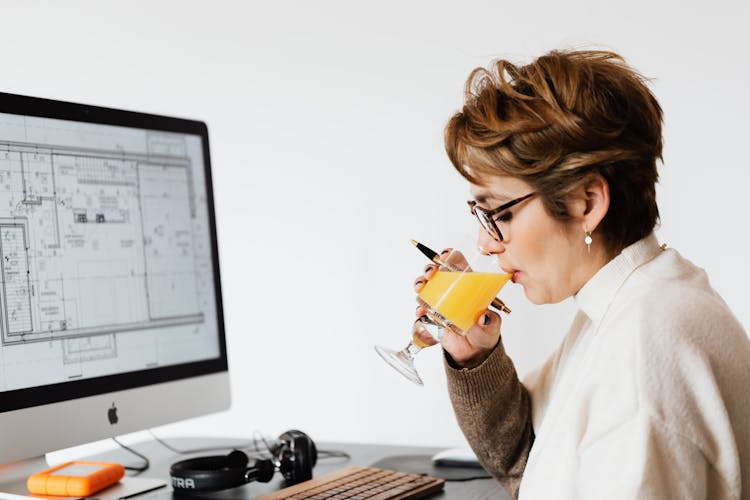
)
(648, 394)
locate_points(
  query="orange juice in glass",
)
(454, 298)
(459, 298)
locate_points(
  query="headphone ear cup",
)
(237, 459)
(297, 456)
(303, 459)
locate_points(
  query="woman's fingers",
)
(422, 337)
(421, 280)
(419, 283)
(455, 344)
(474, 347)
(484, 335)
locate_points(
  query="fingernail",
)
(486, 319)
(422, 320)
(427, 268)
(445, 252)
(418, 282)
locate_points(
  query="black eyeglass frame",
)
(486, 217)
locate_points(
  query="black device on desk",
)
(294, 454)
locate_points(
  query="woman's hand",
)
(472, 349)
(466, 351)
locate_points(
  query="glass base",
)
(401, 361)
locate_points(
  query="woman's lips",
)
(513, 272)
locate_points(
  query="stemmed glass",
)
(455, 296)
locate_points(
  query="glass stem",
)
(411, 350)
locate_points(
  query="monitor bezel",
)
(70, 390)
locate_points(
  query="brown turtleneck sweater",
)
(493, 410)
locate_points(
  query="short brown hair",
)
(555, 122)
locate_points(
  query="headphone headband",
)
(215, 472)
(295, 455)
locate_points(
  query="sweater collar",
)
(597, 294)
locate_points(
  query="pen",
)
(435, 257)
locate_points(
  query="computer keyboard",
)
(358, 483)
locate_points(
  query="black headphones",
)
(294, 454)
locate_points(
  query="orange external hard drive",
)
(75, 479)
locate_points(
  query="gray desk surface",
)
(361, 454)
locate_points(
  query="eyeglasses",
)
(486, 217)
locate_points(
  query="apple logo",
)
(112, 415)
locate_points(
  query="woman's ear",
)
(591, 202)
(596, 193)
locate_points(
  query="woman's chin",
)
(538, 298)
(535, 296)
(531, 295)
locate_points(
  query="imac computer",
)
(110, 299)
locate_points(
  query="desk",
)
(361, 454)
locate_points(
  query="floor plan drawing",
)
(95, 243)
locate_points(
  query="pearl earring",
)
(588, 241)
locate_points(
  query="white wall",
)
(326, 125)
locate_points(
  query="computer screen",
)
(110, 298)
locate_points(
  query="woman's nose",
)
(487, 244)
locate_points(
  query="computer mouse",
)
(456, 457)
